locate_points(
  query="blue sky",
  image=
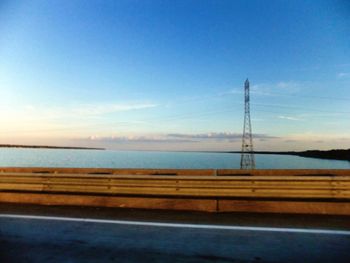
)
(168, 75)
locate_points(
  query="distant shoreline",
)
(341, 155)
(48, 147)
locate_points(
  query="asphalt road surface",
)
(59, 238)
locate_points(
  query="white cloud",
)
(99, 109)
(138, 139)
(46, 120)
(261, 89)
(341, 75)
(177, 137)
(282, 88)
(276, 89)
(46, 112)
(287, 85)
(319, 136)
(290, 118)
(232, 92)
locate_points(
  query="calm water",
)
(131, 159)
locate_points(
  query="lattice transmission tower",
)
(247, 153)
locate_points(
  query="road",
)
(60, 238)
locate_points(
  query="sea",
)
(22, 157)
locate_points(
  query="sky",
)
(169, 75)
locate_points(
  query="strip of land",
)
(331, 154)
(47, 147)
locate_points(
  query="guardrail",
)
(233, 191)
(204, 186)
(174, 172)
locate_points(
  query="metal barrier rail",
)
(271, 186)
(178, 172)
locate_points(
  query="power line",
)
(309, 96)
(297, 107)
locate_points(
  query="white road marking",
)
(177, 225)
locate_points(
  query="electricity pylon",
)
(247, 153)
